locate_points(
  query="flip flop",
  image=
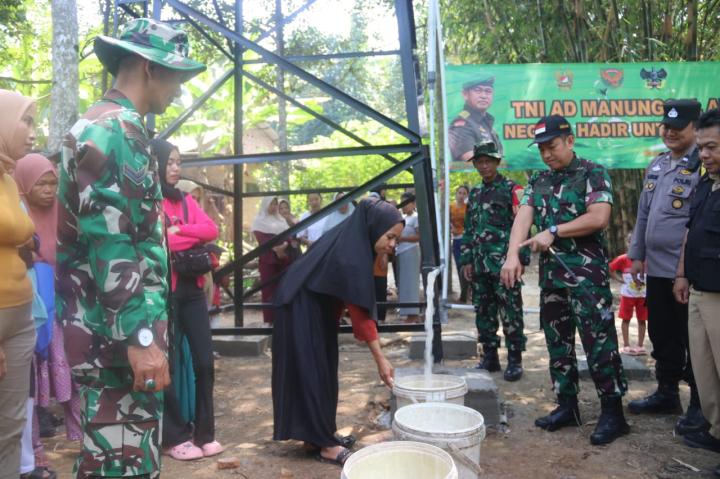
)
(339, 459)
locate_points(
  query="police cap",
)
(678, 113)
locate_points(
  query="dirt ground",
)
(244, 421)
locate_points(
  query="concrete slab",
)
(456, 345)
(235, 346)
(635, 370)
(482, 396)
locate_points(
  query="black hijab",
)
(340, 263)
(162, 150)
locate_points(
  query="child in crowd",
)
(632, 296)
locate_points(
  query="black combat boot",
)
(665, 400)
(611, 423)
(514, 370)
(693, 420)
(490, 361)
(566, 414)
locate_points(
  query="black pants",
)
(190, 315)
(668, 331)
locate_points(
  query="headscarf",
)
(13, 106)
(28, 170)
(264, 222)
(336, 217)
(340, 263)
(162, 149)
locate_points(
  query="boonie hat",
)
(678, 113)
(156, 41)
(549, 127)
(486, 81)
(486, 148)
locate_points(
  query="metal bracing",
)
(412, 156)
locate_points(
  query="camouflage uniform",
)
(111, 280)
(469, 128)
(488, 222)
(559, 197)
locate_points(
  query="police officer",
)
(570, 205)
(111, 259)
(492, 205)
(663, 211)
(698, 283)
(474, 124)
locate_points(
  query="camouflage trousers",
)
(561, 312)
(121, 427)
(494, 304)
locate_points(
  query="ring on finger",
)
(150, 384)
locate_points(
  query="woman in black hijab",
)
(337, 271)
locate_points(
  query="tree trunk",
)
(64, 93)
(627, 186)
(691, 39)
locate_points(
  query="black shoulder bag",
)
(192, 262)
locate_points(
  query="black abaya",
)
(338, 267)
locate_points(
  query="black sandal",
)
(339, 459)
(345, 441)
(40, 473)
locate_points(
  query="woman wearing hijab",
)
(187, 227)
(37, 182)
(336, 271)
(267, 224)
(340, 215)
(17, 329)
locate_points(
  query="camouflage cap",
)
(486, 148)
(156, 41)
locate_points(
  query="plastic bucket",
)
(457, 429)
(439, 388)
(399, 460)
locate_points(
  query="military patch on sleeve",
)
(135, 175)
(459, 123)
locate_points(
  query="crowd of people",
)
(103, 305)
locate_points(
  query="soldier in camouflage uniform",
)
(491, 209)
(474, 125)
(111, 259)
(570, 204)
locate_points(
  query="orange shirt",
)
(457, 218)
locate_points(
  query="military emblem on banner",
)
(564, 79)
(612, 77)
(654, 78)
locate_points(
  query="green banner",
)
(614, 108)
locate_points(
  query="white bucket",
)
(399, 460)
(440, 388)
(458, 430)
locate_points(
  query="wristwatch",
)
(143, 338)
(553, 231)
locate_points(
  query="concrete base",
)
(482, 396)
(234, 346)
(456, 345)
(635, 370)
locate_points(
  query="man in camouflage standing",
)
(474, 124)
(491, 209)
(111, 261)
(570, 205)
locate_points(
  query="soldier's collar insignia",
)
(672, 113)
(678, 189)
(685, 172)
(650, 186)
(677, 204)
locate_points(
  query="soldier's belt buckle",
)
(677, 204)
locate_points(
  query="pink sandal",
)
(627, 350)
(212, 449)
(186, 451)
(640, 351)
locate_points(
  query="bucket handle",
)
(458, 454)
